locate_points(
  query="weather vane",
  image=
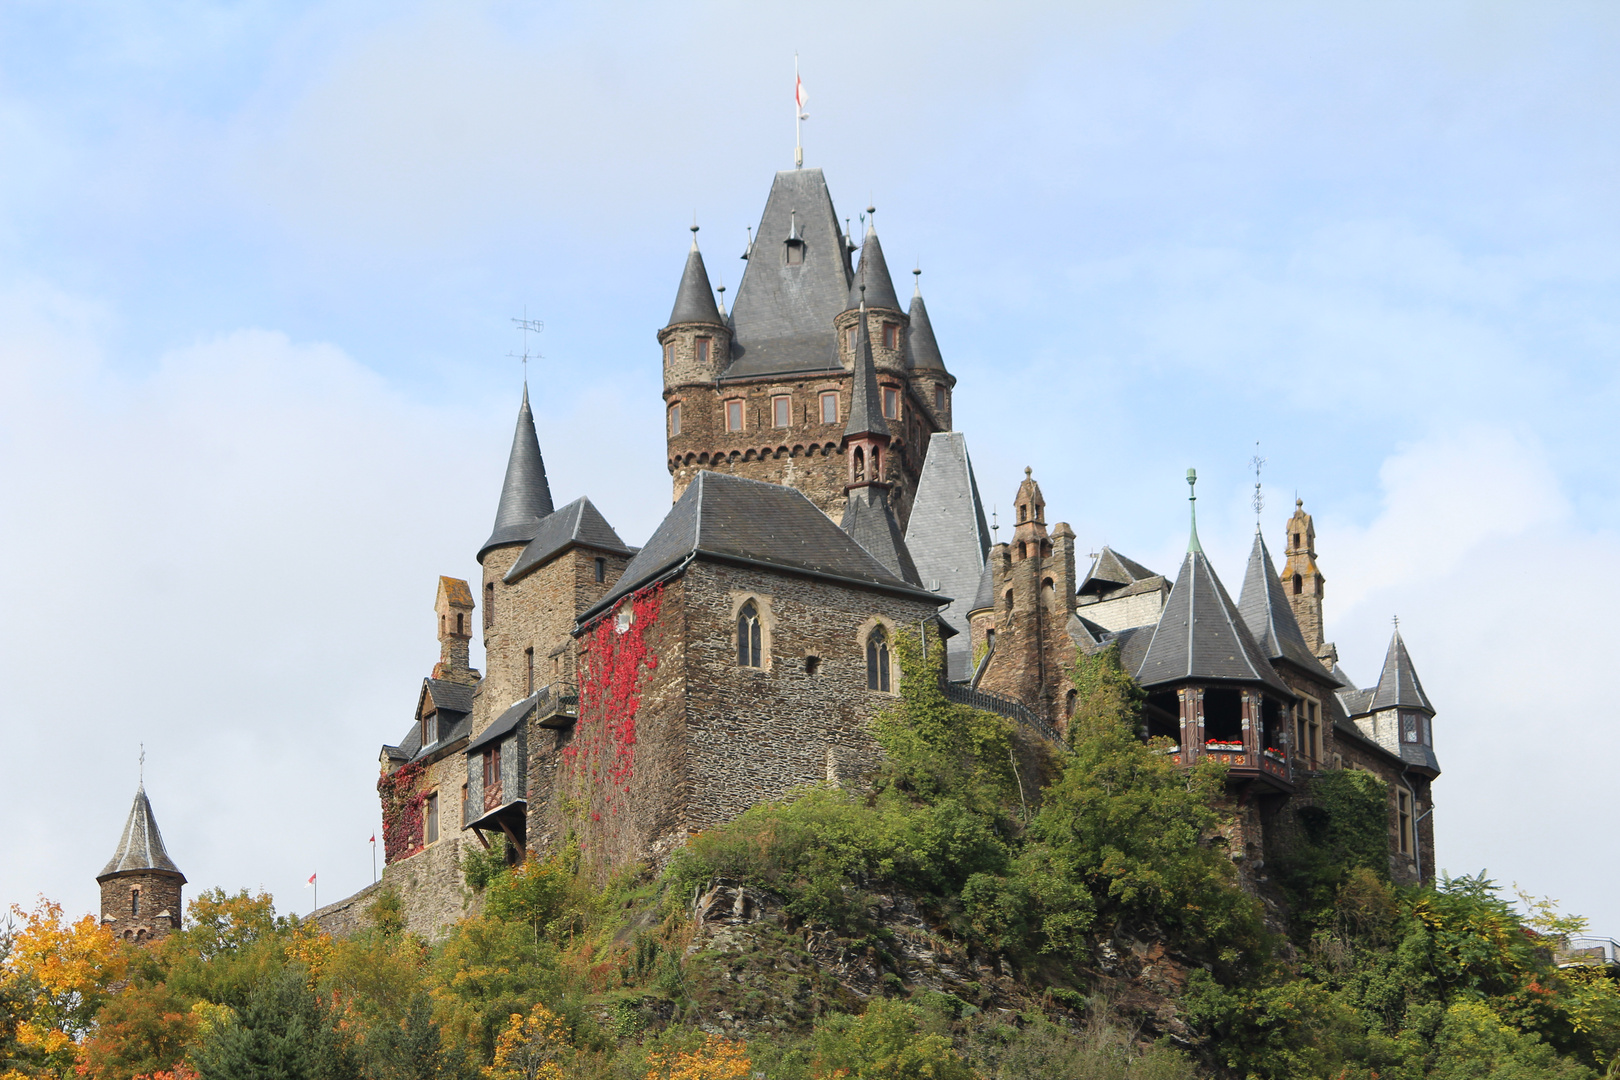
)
(1258, 463)
(995, 526)
(142, 772)
(527, 325)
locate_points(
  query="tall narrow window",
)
(669, 352)
(849, 339)
(795, 253)
(734, 416)
(891, 403)
(430, 817)
(939, 398)
(781, 411)
(877, 661)
(891, 335)
(829, 408)
(134, 903)
(860, 464)
(700, 349)
(528, 672)
(1296, 539)
(1314, 732)
(748, 637)
(461, 623)
(430, 733)
(1409, 728)
(489, 605)
(1299, 585)
(601, 570)
(1403, 811)
(675, 419)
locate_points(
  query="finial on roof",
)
(1027, 472)
(916, 277)
(722, 291)
(1192, 499)
(1259, 496)
(749, 250)
(694, 235)
(793, 224)
(995, 526)
(1397, 620)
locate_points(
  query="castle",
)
(822, 506)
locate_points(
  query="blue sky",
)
(258, 262)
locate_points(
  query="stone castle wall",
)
(158, 893)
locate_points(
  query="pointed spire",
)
(1266, 611)
(1201, 636)
(865, 404)
(1192, 500)
(1398, 685)
(874, 271)
(694, 303)
(924, 348)
(869, 521)
(141, 847)
(525, 494)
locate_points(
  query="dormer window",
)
(700, 349)
(891, 335)
(430, 728)
(794, 252)
(891, 403)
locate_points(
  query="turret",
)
(525, 503)
(696, 340)
(866, 435)
(885, 323)
(1303, 583)
(1030, 539)
(140, 885)
(930, 382)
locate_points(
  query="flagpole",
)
(374, 858)
(798, 116)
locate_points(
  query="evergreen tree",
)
(284, 1033)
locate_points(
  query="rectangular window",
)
(430, 817)
(734, 416)
(528, 663)
(134, 903)
(675, 419)
(1409, 728)
(829, 408)
(669, 352)
(781, 411)
(795, 253)
(939, 398)
(430, 725)
(891, 403)
(492, 769)
(849, 339)
(489, 605)
(601, 570)
(1403, 811)
(700, 348)
(891, 335)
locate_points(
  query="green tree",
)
(887, 1042)
(284, 1033)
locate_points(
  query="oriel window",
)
(877, 661)
(891, 403)
(829, 408)
(748, 636)
(781, 411)
(734, 416)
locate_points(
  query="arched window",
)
(461, 620)
(748, 650)
(1008, 598)
(877, 661)
(1299, 584)
(1068, 703)
(860, 464)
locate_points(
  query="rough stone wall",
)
(432, 891)
(349, 915)
(159, 893)
(1403, 869)
(1034, 652)
(758, 733)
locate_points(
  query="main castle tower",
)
(766, 391)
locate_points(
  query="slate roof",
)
(1201, 636)
(731, 517)
(985, 595)
(874, 274)
(505, 723)
(869, 520)
(924, 347)
(947, 534)
(141, 847)
(782, 319)
(694, 301)
(865, 406)
(525, 494)
(449, 696)
(580, 522)
(1112, 571)
(1266, 611)
(1398, 684)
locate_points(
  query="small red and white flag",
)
(373, 838)
(800, 96)
(310, 884)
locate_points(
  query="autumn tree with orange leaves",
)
(55, 976)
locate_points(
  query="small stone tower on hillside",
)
(1303, 583)
(140, 887)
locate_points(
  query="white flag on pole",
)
(310, 884)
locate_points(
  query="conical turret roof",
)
(525, 494)
(694, 303)
(865, 404)
(1270, 619)
(874, 273)
(1398, 685)
(924, 348)
(141, 847)
(1200, 635)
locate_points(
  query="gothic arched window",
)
(748, 650)
(1299, 584)
(877, 661)
(860, 464)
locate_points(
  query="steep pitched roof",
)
(1398, 685)
(1200, 635)
(947, 534)
(580, 522)
(694, 301)
(447, 696)
(869, 521)
(782, 319)
(525, 494)
(1270, 619)
(732, 518)
(505, 723)
(141, 847)
(865, 406)
(874, 274)
(1112, 571)
(985, 595)
(924, 347)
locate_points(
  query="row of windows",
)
(781, 410)
(751, 653)
(891, 336)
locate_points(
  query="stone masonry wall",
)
(158, 892)
(432, 891)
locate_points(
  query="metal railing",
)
(558, 705)
(1587, 950)
(1001, 705)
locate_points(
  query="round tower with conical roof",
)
(140, 886)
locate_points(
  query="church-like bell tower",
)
(140, 886)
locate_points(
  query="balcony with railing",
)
(1587, 952)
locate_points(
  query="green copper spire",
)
(1192, 498)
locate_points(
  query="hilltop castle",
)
(823, 505)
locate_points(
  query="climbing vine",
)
(601, 759)
(401, 811)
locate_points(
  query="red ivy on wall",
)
(601, 759)
(401, 811)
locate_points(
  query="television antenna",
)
(1257, 463)
(528, 326)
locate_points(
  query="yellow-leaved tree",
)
(717, 1059)
(54, 978)
(530, 1047)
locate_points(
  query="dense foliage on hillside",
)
(1056, 870)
